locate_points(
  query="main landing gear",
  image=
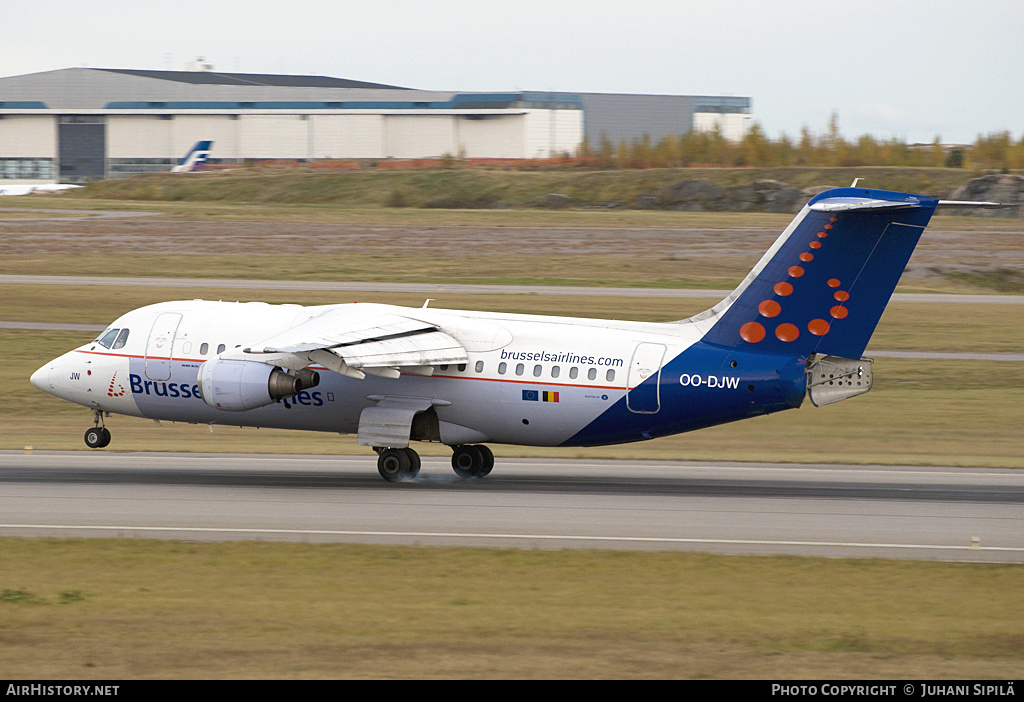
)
(472, 461)
(99, 435)
(399, 464)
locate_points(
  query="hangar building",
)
(76, 124)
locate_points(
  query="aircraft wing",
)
(355, 341)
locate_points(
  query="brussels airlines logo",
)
(162, 389)
(187, 390)
(120, 388)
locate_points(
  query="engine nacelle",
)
(237, 386)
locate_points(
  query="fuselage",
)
(534, 380)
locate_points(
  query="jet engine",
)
(237, 386)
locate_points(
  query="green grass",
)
(129, 609)
(488, 187)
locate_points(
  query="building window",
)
(26, 168)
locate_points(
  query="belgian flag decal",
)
(540, 396)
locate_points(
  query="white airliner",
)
(796, 327)
(28, 189)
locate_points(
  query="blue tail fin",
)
(195, 159)
(824, 284)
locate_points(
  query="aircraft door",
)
(160, 346)
(643, 384)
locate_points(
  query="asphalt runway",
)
(927, 513)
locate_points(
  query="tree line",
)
(994, 151)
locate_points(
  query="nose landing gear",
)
(99, 435)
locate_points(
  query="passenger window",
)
(108, 339)
(610, 375)
(479, 366)
(502, 367)
(203, 348)
(122, 339)
(462, 367)
(537, 370)
(555, 371)
(592, 374)
(520, 368)
(573, 372)
(443, 366)
(220, 348)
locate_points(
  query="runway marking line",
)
(470, 535)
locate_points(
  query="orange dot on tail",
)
(769, 308)
(783, 289)
(806, 257)
(827, 226)
(822, 235)
(839, 312)
(787, 332)
(833, 282)
(815, 244)
(818, 327)
(833, 219)
(796, 271)
(841, 295)
(752, 332)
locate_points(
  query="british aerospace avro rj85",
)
(796, 327)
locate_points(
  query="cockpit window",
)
(108, 339)
(122, 339)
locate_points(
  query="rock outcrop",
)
(775, 196)
(1005, 189)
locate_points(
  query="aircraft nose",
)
(41, 378)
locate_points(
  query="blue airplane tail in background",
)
(195, 159)
(824, 284)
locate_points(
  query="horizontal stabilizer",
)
(963, 203)
(846, 204)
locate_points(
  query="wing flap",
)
(338, 330)
(422, 349)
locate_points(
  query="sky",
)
(912, 70)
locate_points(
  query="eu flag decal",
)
(540, 396)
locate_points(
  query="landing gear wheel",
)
(395, 465)
(472, 461)
(488, 461)
(97, 437)
(414, 462)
